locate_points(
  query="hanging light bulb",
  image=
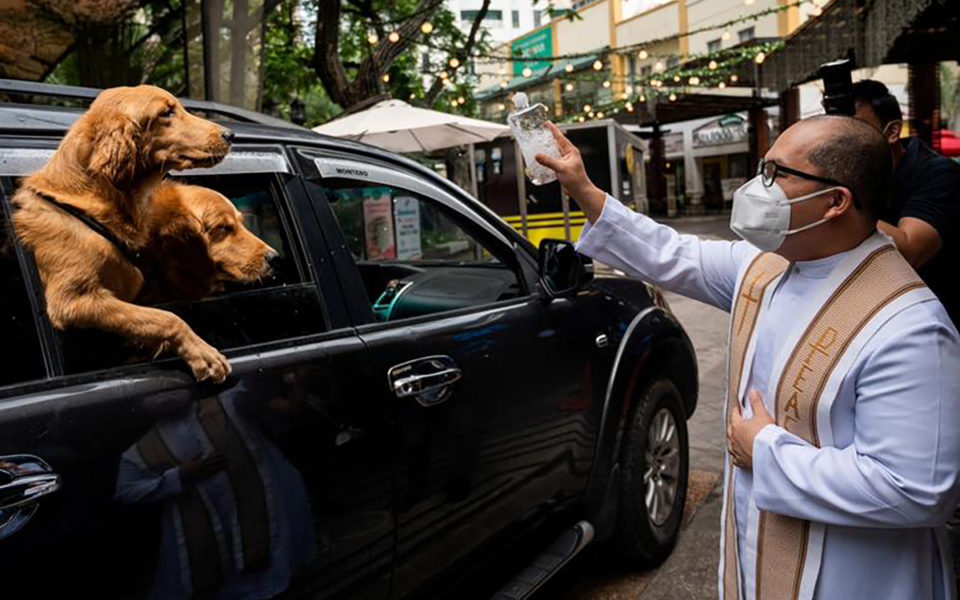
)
(600, 115)
(642, 98)
(386, 77)
(624, 96)
(628, 89)
(501, 106)
(444, 74)
(759, 58)
(644, 55)
(726, 36)
(372, 38)
(629, 107)
(568, 68)
(427, 27)
(597, 65)
(673, 97)
(722, 85)
(461, 100)
(659, 66)
(713, 65)
(454, 104)
(586, 108)
(413, 95)
(817, 11)
(734, 78)
(694, 80)
(454, 63)
(527, 72)
(581, 119)
(676, 78)
(606, 83)
(569, 87)
(394, 37)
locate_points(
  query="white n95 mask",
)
(761, 214)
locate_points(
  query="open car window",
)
(284, 305)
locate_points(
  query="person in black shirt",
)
(923, 214)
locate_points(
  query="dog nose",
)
(272, 257)
(227, 135)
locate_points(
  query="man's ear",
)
(115, 149)
(841, 200)
(892, 131)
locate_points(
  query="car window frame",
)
(512, 254)
(301, 226)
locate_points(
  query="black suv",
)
(417, 395)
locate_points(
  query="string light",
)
(581, 119)
(527, 72)
(600, 115)
(760, 57)
(722, 85)
(606, 83)
(643, 55)
(673, 97)
(386, 77)
(713, 65)
(568, 68)
(624, 96)
(501, 106)
(734, 78)
(427, 27)
(817, 11)
(454, 104)
(726, 36)
(586, 108)
(454, 63)
(629, 107)
(694, 80)
(372, 38)
(504, 84)
(461, 100)
(394, 37)
(412, 96)
(597, 65)
(628, 89)
(659, 66)
(643, 98)
(569, 87)
(444, 74)
(590, 114)
(676, 78)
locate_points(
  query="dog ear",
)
(115, 148)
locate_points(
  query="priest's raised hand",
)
(741, 432)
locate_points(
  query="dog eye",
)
(168, 113)
(225, 229)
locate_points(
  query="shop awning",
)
(870, 33)
(692, 106)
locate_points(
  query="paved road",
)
(690, 573)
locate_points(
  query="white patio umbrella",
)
(395, 125)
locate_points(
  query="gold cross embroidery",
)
(750, 298)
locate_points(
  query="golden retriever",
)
(199, 243)
(108, 166)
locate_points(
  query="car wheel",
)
(653, 477)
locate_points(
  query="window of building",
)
(516, 19)
(747, 34)
(415, 256)
(20, 354)
(536, 18)
(471, 15)
(714, 45)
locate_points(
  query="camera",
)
(838, 87)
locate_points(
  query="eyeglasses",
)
(769, 170)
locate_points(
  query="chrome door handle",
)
(27, 489)
(429, 380)
(25, 480)
(416, 384)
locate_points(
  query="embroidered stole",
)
(782, 542)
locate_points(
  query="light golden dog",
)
(107, 169)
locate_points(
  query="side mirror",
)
(563, 272)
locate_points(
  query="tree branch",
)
(437, 86)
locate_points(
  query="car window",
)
(283, 306)
(415, 255)
(21, 357)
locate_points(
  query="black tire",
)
(643, 539)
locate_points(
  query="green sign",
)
(538, 43)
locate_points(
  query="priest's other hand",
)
(573, 176)
(741, 432)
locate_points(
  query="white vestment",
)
(880, 489)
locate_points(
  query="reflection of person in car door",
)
(236, 519)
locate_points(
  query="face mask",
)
(761, 214)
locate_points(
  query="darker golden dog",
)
(86, 217)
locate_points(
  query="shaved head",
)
(852, 152)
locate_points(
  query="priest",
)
(843, 395)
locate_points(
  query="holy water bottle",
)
(528, 124)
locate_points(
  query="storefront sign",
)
(378, 227)
(730, 129)
(406, 211)
(539, 43)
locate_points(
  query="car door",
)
(120, 477)
(492, 383)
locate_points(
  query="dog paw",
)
(206, 362)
